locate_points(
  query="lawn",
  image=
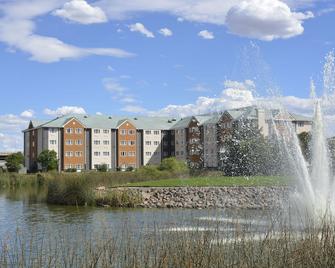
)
(214, 181)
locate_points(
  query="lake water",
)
(25, 214)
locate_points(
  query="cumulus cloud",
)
(64, 110)
(11, 138)
(234, 95)
(139, 27)
(17, 30)
(265, 20)
(206, 34)
(166, 32)
(81, 12)
(28, 113)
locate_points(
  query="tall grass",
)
(313, 246)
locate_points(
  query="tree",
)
(48, 160)
(14, 162)
(247, 153)
(305, 140)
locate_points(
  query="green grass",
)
(214, 181)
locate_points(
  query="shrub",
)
(102, 168)
(14, 162)
(173, 165)
(129, 169)
(71, 170)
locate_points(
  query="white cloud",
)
(81, 12)
(28, 113)
(64, 110)
(11, 138)
(139, 27)
(166, 32)
(134, 109)
(200, 88)
(206, 34)
(265, 20)
(113, 85)
(98, 113)
(17, 30)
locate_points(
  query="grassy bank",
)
(215, 181)
(79, 188)
(208, 246)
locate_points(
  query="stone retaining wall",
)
(211, 197)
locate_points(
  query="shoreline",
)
(238, 197)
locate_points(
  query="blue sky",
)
(156, 57)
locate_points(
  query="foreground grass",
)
(312, 246)
(214, 181)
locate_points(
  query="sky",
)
(162, 57)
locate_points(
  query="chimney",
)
(261, 121)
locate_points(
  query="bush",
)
(173, 165)
(102, 168)
(71, 170)
(129, 169)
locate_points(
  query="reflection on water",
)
(26, 212)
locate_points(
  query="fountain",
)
(315, 187)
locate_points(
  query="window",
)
(79, 166)
(156, 132)
(131, 132)
(123, 153)
(301, 124)
(123, 132)
(97, 142)
(106, 131)
(106, 142)
(69, 142)
(156, 143)
(148, 153)
(156, 153)
(79, 130)
(79, 154)
(182, 153)
(148, 143)
(177, 152)
(69, 154)
(53, 142)
(69, 130)
(97, 131)
(131, 143)
(79, 142)
(53, 130)
(123, 143)
(97, 153)
(131, 153)
(106, 153)
(148, 132)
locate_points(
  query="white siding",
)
(53, 140)
(101, 145)
(210, 146)
(152, 151)
(180, 144)
(302, 126)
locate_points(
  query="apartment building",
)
(84, 142)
